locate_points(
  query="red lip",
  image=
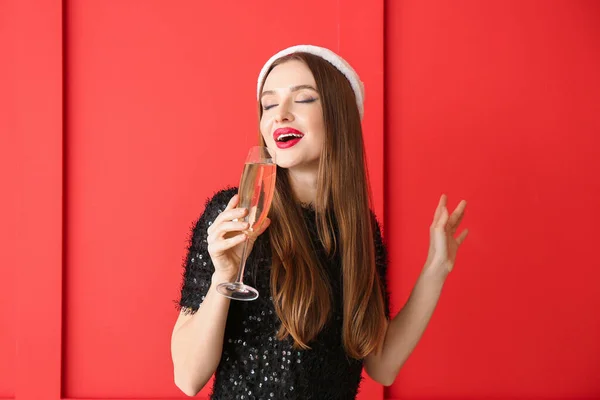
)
(288, 144)
(282, 131)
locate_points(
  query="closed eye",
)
(265, 108)
(306, 101)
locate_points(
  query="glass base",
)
(237, 291)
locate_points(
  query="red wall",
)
(8, 204)
(31, 201)
(120, 118)
(498, 102)
(161, 109)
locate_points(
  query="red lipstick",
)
(287, 137)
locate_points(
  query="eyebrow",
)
(292, 89)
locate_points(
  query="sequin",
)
(255, 364)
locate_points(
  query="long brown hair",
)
(299, 285)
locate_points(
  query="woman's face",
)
(292, 121)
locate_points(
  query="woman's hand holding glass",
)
(226, 240)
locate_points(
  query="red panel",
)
(497, 102)
(36, 153)
(363, 48)
(161, 111)
(10, 179)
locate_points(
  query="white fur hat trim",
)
(328, 55)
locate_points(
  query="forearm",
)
(405, 330)
(197, 344)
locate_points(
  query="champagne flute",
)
(257, 186)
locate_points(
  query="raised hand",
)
(443, 242)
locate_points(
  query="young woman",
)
(318, 262)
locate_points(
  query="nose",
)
(283, 113)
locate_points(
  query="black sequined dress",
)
(254, 364)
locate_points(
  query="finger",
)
(439, 209)
(456, 223)
(226, 227)
(461, 238)
(264, 226)
(441, 222)
(232, 202)
(223, 245)
(230, 205)
(255, 233)
(457, 215)
(227, 215)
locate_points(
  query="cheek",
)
(318, 124)
(264, 131)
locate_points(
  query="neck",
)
(304, 184)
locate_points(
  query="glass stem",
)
(240, 276)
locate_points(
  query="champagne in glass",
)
(256, 190)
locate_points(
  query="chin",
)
(285, 165)
(300, 166)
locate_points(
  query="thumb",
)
(264, 226)
(261, 230)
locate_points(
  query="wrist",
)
(434, 275)
(219, 277)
